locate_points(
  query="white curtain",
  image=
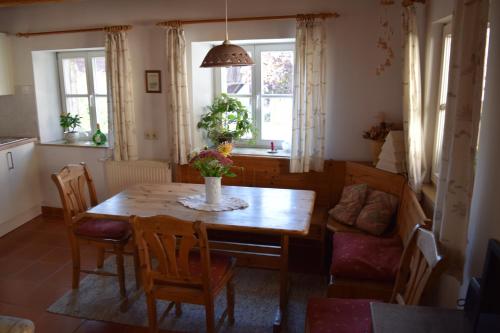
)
(456, 174)
(412, 101)
(121, 101)
(308, 131)
(179, 110)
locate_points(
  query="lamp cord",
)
(227, 35)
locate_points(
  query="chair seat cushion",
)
(366, 257)
(103, 228)
(220, 265)
(339, 315)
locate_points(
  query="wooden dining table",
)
(270, 211)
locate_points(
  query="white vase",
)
(71, 137)
(212, 190)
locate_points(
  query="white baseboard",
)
(19, 220)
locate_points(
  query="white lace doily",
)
(226, 203)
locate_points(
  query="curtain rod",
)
(256, 18)
(113, 28)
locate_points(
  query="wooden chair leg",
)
(100, 257)
(137, 269)
(230, 301)
(120, 269)
(152, 321)
(210, 316)
(75, 256)
(178, 309)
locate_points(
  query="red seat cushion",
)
(220, 265)
(338, 315)
(101, 228)
(366, 257)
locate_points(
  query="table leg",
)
(280, 315)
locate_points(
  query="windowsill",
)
(259, 152)
(79, 144)
(429, 191)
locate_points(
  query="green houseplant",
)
(69, 124)
(227, 120)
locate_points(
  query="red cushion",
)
(338, 315)
(220, 265)
(366, 257)
(101, 228)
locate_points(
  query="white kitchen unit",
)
(6, 66)
(19, 184)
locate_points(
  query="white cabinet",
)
(19, 186)
(6, 66)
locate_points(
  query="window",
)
(266, 89)
(441, 107)
(82, 79)
(443, 91)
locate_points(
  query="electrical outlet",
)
(147, 135)
(154, 136)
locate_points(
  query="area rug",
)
(255, 305)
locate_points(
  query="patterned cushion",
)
(337, 315)
(101, 228)
(220, 265)
(377, 212)
(365, 257)
(353, 198)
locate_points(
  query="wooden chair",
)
(420, 265)
(185, 271)
(104, 233)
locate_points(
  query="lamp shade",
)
(227, 55)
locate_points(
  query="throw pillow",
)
(351, 203)
(377, 212)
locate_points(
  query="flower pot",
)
(71, 137)
(212, 190)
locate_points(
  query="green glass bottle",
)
(99, 138)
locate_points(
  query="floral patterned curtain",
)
(412, 101)
(308, 131)
(456, 174)
(179, 110)
(121, 101)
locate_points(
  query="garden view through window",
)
(266, 89)
(83, 85)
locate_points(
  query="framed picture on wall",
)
(153, 81)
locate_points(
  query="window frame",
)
(91, 94)
(446, 42)
(257, 94)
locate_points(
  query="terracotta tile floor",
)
(35, 270)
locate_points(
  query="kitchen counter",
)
(7, 142)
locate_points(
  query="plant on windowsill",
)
(69, 124)
(227, 120)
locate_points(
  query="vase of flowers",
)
(377, 135)
(213, 164)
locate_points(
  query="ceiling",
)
(15, 3)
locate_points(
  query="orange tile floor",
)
(35, 270)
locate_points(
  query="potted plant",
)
(69, 124)
(213, 164)
(227, 120)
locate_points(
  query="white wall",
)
(355, 93)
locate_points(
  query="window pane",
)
(237, 80)
(99, 71)
(276, 118)
(80, 106)
(75, 77)
(277, 72)
(101, 107)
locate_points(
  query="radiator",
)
(121, 175)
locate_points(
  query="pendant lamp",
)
(227, 54)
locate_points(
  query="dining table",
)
(271, 211)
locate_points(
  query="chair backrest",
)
(420, 265)
(71, 182)
(410, 215)
(170, 242)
